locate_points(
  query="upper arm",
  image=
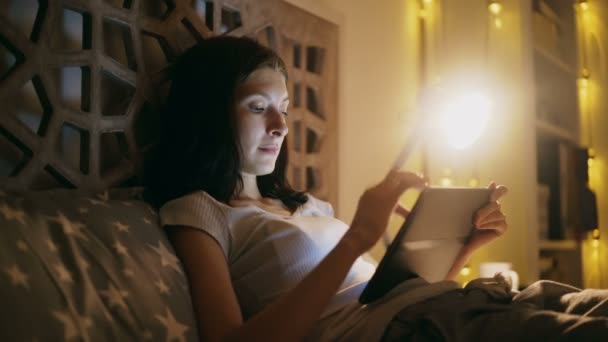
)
(215, 303)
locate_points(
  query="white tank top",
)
(267, 253)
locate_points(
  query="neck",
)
(250, 187)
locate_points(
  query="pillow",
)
(81, 266)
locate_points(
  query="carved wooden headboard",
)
(81, 82)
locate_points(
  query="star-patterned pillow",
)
(77, 266)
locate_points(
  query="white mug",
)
(489, 269)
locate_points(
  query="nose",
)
(277, 124)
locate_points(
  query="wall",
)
(377, 87)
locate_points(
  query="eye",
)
(284, 109)
(257, 108)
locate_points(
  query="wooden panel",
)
(81, 83)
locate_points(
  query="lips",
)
(269, 148)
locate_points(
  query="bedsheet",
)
(487, 310)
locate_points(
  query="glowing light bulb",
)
(446, 181)
(498, 23)
(463, 120)
(584, 5)
(583, 81)
(585, 73)
(465, 271)
(596, 234)
(495, 7)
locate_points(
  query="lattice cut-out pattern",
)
(31, 107)
(10, 57)
(72, 146)
(81, 84)
(118, 43)
(72, 30)
(311, 63)
(73, 86)
(14, 154)
(116, 94)
(27, 23)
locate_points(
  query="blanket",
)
(487, 310)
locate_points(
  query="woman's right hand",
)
(375, 207)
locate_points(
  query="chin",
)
(260, 170)
(265, 172)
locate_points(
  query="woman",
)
(264, 261)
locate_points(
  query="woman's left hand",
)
(490, 222)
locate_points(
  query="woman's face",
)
(261, 110)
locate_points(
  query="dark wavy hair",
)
(198, 144)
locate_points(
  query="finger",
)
(401, 210)
(492, 217)
(491, 224)
(499, 227)
(492, 185)
(482, 213)
(402, 180)
(498, 192)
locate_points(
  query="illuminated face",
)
(261, 110)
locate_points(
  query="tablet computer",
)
(429, 240)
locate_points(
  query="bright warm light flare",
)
(463, 120)
(495, 7)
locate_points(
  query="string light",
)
(446, 180)
(590, 160)
(583, 83)
(498, 23)
(495, 7)
(584, 79)
(595, 238)
(466, 270)
(424, 11)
